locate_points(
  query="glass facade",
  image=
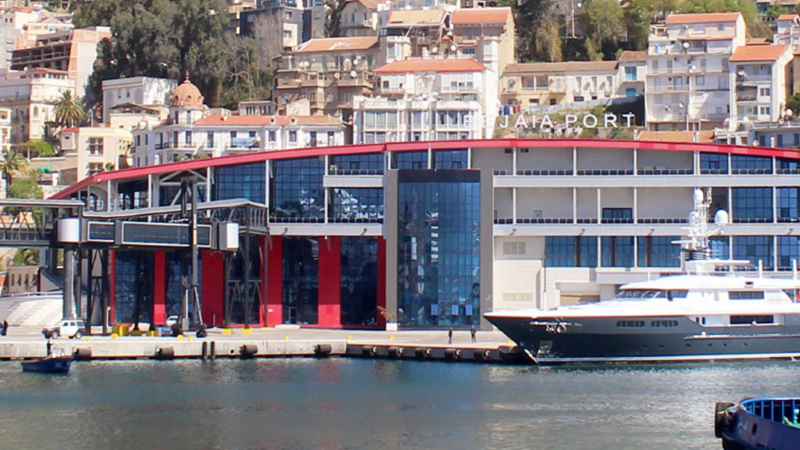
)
(788, 250)
(720, 247)
(713, 163)
(658, 251)
(788, 166)
(450, 159)
(367, 164)
(788, 204)
(617, 215)
(617, 251)
(241, 300)
(356, 205)
(174, 288)
(296, 191)
(240, 181)
(411, 160)
(438, 248)
(133, 288)
(754, 249)
(301, 280)
(571, 251)
(752, 204)
(751, 164)
(359, 283)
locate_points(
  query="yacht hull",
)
(550, 340)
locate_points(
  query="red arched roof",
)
(137, 172)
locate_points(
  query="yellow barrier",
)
(227, 331)
(247, 331)
(121, 330)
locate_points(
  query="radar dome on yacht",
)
(721, 218)
(698, 196)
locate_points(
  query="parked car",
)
(71, 328)
(171, 320)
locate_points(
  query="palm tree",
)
(12, 163)
(69, 111)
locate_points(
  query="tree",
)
(776, 11)
(333, 17)
(68, 110)
(794, 104)
(640, 15)
(40, 148)
(602, 20)
(12, 164)
(27, 187)
(547, 40)
(530, 15)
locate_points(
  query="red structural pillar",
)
(212, 289)
(330, 276)
(112, 286)
(274, 280)
(160, 287)
(381, 280)
(262, 311)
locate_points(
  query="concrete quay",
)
(491, 347)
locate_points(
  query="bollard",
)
(248, 351)
(213, 350)
(164, 353)
(204, 351)
(322, 350)
(82, 354)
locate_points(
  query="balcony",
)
(176, 146)
(665, 172)
(747, 78)
(354, 172)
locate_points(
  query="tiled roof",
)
(432, 65)
(466, 16)
(369, 4)
(416, 17)
(338, 44)
(754, 53)
(632, 56)
(784, 17)
(702, 18)
(705, 136)
(260, 121)
(569, 66)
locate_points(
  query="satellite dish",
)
(698, 196)
(142, 124)
(453, 48)
(682, 105)
(336, 75)
(435, 49)
(721, 218)
(347, 64)
(353, 74)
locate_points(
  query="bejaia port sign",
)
(534, 121)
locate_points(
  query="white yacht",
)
(708, 313)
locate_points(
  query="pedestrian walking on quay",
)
(472, 334)
(450, 336)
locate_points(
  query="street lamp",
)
(572, 6)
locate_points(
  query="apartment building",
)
(359, 18)
(416, 33)
(298, 20)
(31, 96)
(632, 73)
(5, 130)
(327, 73)
(574, 84)
(72, 51)
(428, 99)
(12, 23)
(787, 31)
(486, 34)
(189, 133)
(143, 91)
(761, 77)
(688, 73)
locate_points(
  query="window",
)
(357, 205)
(741, 164)
(713, 163)
(764, 92)
(187, 138)
(240, 181)
(366, 164)
(754, 249)
(630, 92)
(700, 80)
(514, 248)
(630, 74)
(296, 189)
(293, 137)
(752, 320)
(95, 146)
(617, 215)
(450, 159)
(617, 251)
(271, 135)
(788, 204)
(746, 295)
(788, 251)
(578, 98)
(410, 160)
(359, 280)
(571, 251)
(720, 247)
(658, 251)
(752, 205)
(210, 139)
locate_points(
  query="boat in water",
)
(50, 364)
(710, 312)
(759, 423)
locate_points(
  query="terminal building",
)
(434, 234)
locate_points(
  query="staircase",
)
(35, 310)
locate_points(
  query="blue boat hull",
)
(760, 424)
(48, 365)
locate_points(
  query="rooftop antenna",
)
(697, 245)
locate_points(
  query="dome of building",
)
(186, 95)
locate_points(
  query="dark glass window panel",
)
(720, 247)
(571, 251)
(752, 204)
(301, 280)
(751, 164)
(238, 296)
(357, 164)
(174, 288)
(659, 251)
(411, 160)
(133, 286)
(240, 181)
(788, 203)
(617, 251)
(296, 189)
(359, 282)
(788, 250)
(450, 159)
(357, 205)
(713, 163)
(754, 249)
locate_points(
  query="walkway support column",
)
(69, 283)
